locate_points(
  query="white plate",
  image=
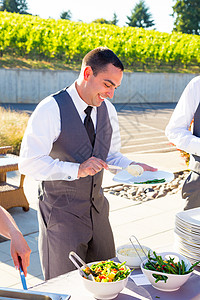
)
(127, 178)
(191, 216)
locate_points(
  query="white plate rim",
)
(187, 216)
(147, 175)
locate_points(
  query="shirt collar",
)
(78, 102)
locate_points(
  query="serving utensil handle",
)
(21, 272)
(73, 255)
(130, 239)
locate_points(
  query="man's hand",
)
(91, 166)
(145, 167)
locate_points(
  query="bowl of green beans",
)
(167, 271)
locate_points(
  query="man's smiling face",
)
(102, 85)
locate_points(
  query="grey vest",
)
(194, 159)
(73, 145)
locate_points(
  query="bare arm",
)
(19, 246)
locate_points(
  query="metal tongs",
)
(92, 274)
(140, 248)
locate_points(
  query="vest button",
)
(92, 199)
(69, 177)
(94, 184)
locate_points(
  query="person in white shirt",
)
(58, 151)
(18, 246)
(183, 130)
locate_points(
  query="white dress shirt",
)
(44, 127)
(177, 130)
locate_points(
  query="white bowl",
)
(128, 254)
(174, 281)
(104, 290)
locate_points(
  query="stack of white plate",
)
(187, 234)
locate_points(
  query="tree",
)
(187, 13)
(114, 21)
(67, 15)
(22, 6)
(140, 16)
(17, 6)
(101, 21)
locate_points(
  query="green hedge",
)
(37, 38)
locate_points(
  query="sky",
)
(89, 10)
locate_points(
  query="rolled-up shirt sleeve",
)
(42, 131)
(178, 129)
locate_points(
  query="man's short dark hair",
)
(99, 58)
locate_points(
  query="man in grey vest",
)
(183, 131)
(70, 138)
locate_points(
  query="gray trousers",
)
(191, 191)
(60, 232)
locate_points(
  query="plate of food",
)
(147, 178)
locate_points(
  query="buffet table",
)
(71, 284)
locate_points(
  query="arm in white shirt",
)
(42, 131)
(177, 131)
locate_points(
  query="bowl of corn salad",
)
(110, 279)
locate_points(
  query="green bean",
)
(150, 267)
(151, 181)
(160, 277)
(192, 267)
(179, 268)
(183, 267)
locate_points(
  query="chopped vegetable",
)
(109, 271)
(168, 266)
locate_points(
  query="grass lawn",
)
(8, 61)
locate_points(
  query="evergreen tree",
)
(17, 6)
(22, 6)
(140, 16)
(187, 14)
(67, 15)
(114, 21)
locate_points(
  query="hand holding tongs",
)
(92, 273)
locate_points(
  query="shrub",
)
(13, 125)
